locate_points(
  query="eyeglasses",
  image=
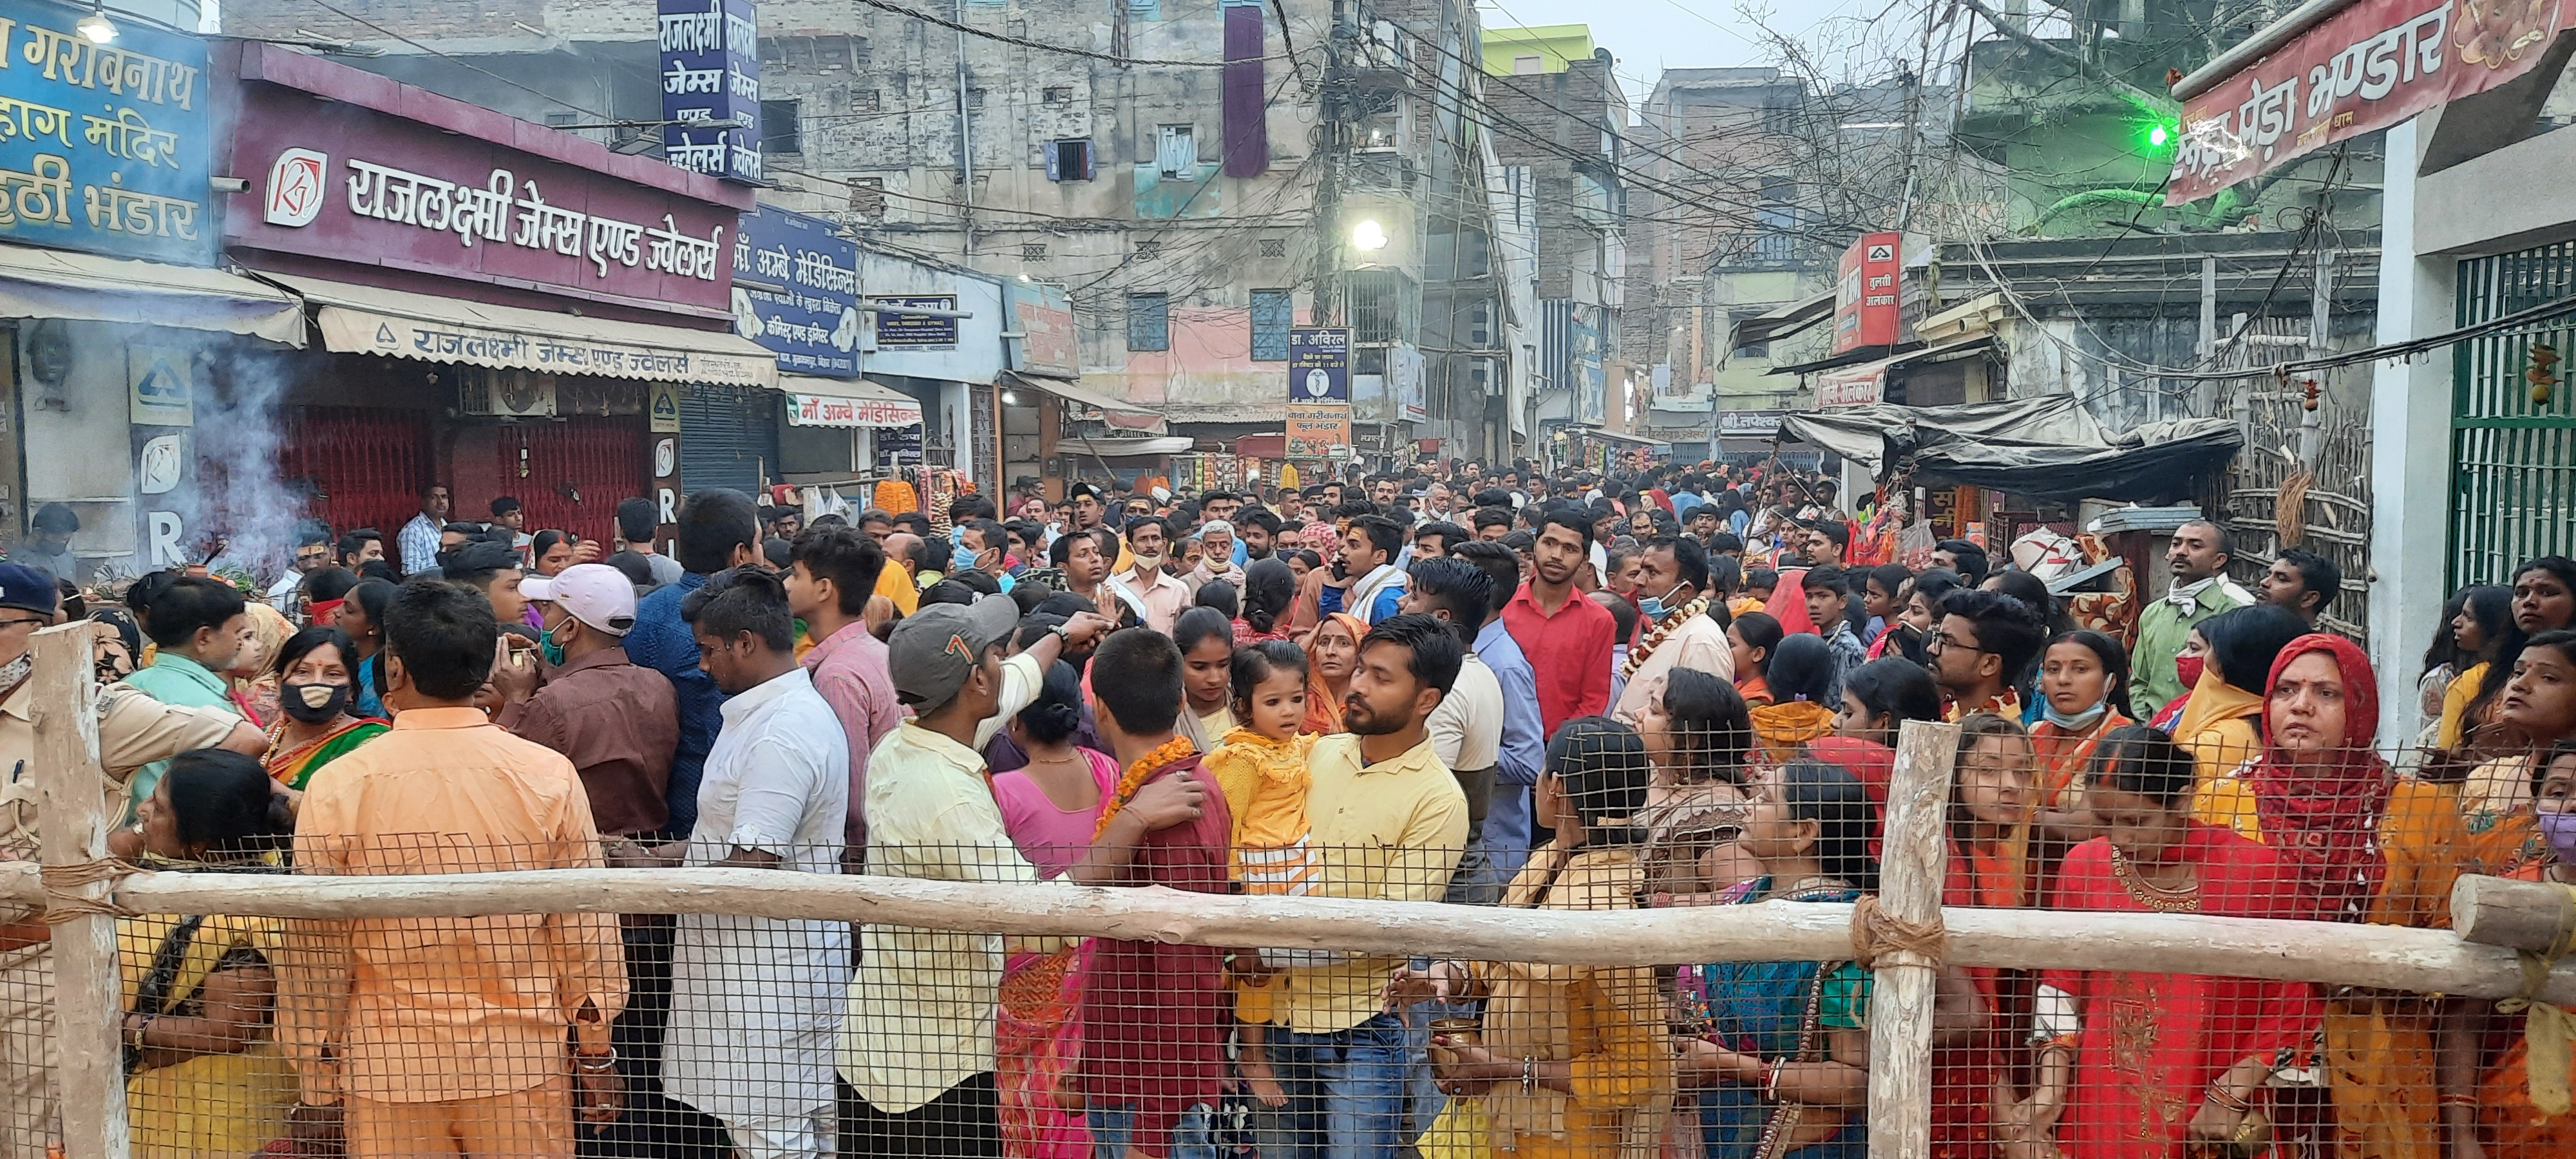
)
(32, 621)
(1941, 641)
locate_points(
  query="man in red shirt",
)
(1154, 1015)
(1566, 636)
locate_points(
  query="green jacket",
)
(2162, 629)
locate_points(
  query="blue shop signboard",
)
(796, 291)
(710, 65)
(103, 147)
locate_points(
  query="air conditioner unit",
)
(510, 394)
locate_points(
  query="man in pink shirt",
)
(828, 585)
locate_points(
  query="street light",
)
(1368, 235)
(96, 28)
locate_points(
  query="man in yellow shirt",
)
(1389, 822)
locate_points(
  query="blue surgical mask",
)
(961, 558)
(1654, 607)
(2078, 722)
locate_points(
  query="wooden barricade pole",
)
(2500, 911)
(1912, 869)
(72, 820)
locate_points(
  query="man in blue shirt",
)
(719, 529)
(1508, 821)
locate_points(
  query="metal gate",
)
(358, 466)
(2513, 486)
(573, 472)
(728, 438)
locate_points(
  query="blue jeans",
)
(1113, 1123)
(1345, 1093)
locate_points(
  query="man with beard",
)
(1672, 587)
(1257, 529)
(1389, 823)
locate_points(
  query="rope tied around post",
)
(1878, 935)
(67, 893)
(2548, 1032)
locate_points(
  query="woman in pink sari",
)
(1050, 808)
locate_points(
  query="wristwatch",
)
(1062, 634)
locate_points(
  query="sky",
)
(1649, 36)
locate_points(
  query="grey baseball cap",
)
(934, 650)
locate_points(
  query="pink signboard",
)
(2361, 70)
(452, 194)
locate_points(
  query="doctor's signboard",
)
(2361, 70)
(103, 147)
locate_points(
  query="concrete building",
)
(1190, 207)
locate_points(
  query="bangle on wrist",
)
(595, 1063)
(1771, 1078)
(2219, 1095)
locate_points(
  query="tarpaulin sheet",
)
(2046, 448)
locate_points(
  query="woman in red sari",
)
(2138, 1064)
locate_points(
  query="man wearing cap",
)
(618, 723)
(133, 730)
(917, 1044)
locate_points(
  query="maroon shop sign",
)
(2364, 69)
(440, 192)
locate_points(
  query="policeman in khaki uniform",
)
(133, 730)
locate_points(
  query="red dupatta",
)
(2324, 819)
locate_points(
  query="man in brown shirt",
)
(619, 722)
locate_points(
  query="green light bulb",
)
(2158, 136)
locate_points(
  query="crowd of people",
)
(1669, 686)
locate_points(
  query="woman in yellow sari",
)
(2221, 725)
(204, 1076)
(2484, 1075)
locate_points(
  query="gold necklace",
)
(2161, 899)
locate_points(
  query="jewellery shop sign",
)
(103, 147)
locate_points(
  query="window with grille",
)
(1033, 251)
(1069, 161)
(1274, 247)
(1148, 250)
(781, 127)
(1059, 94)
(1376, 306)
(1273, 312)
(1149, 322)
(974, 98)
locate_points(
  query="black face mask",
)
(313, 703)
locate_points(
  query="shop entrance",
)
(360, 466)
(571, 473)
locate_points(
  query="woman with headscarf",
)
(120, 651)
(1269, 586)
(2488, 1057)
(2359, 844)
(1800, 675)
(1334, 649)
(2219, 725)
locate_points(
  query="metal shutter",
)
(728, 437)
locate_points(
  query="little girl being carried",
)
(1261, 767)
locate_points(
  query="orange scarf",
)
(1784, 727)
(1323, 710)
(1132, 781)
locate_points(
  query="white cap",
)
(593, 593)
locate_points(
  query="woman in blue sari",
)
(1779, 1054)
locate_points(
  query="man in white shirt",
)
(418, 539)
(755, 1001)
(917, 1041)
(1672, 587)
(1467, 728)
(1148, 584)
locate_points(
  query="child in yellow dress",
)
(1261, 767)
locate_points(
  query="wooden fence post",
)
(71, 822)
(1912, 869)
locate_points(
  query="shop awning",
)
(369, 320)
(1782, 321)
(1120, 413)
(2047, 447)
(1125, 448)
(846, 402)
(1865, 383)
(43, 283)
(1617, 436)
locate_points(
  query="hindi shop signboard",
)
(1319, 367)
(796, 291)
(710, 65)
(339, 181)
(1865, 299)
(1852, 385)
(2361, 70)
(1316, 429)
(104, 147)
(824, 410)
